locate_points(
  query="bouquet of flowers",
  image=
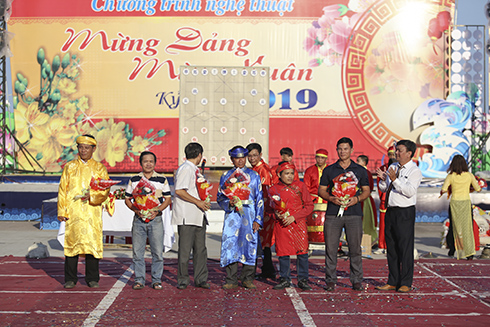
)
(344, 187)
(109, 204)
(96, 184)
(145, 199)
(279, 205)
(237, 187)
(203, 187)
(120, 194)
(99, 184)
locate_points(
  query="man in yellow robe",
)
(80, 208)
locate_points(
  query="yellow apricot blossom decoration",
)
(27, 119)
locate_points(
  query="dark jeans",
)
(192, 238)
(91, 269)
(399, 233)
(353, 232)
(301, 263)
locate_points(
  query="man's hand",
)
(392, 174)
(288, 220)
(336, 200)
(381, 174)
(233, 201)
(204, 206)
(255, 226)
(352, 201)
(61, 218)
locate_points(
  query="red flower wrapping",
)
(236, 186)
(144, 197)
(278, 205)
(345, 187)
(99, 184)
(203, 187)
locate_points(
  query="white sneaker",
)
(379, 251)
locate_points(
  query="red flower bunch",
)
(344, 187)
(99, 184)
(145, 199)
(203, 187)
(279, 206)
(237, 187)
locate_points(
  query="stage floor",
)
(446, 293)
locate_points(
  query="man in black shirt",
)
(344, 213)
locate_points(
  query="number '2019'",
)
(303, 97)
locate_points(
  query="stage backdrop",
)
(111, 68)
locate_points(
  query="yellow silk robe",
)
(83, 230)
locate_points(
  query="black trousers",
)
(399, 234)
(91, 269)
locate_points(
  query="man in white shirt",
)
(400, 183)
(189, 214)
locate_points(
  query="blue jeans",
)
(152, 230)
(301, 263)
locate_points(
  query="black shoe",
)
(341, 253)
(469, 258)
(450, 254)
(303, 284)
(69, 284)
(283, 283)
(204, 285)
(329, 287)
(266, 275)
(93, 284)
(357, 287)
(182, 286)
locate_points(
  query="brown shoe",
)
(229, 286)
(404, 289)
(249, 284)
(386, 287)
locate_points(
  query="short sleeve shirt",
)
(184, 212)
(334, 170)
(157, 180)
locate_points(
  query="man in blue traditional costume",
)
(240, 196)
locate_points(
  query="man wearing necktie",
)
(400, 183)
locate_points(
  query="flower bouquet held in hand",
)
(237, 187)
(279, 207)
(203, 187)
(99, 184)
(145, 199)
(96, 184)
(344, 187)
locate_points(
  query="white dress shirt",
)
(404, 191)
(183, 212)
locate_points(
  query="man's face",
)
(360, 162)
(287, 176)
(85, 151)
(254, 157)
(148, 163)
(344, 151)
(402, 155)
(391, 155)
(239, 162)
(286, 157)
(320, 161)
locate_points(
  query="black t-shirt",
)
(334, 170)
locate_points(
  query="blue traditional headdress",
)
(238, 152)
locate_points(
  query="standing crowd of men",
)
(263, 207)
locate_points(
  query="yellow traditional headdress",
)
(86, 140)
